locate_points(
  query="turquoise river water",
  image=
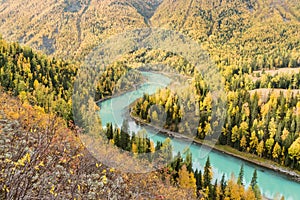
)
(272, 184)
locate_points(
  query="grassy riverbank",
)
(252, 158)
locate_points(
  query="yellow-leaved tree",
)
(186, 179)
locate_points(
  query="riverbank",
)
(133, 88)
(224, 149)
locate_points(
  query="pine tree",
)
(254, 179)
(117, 137)
(198, 176)
(213, 193)
(109, 131)
(196, 173)
(158, 146)
(254, 186)
(125, 140)
(223, 187)
(207, 176)
(241, 176)
(178, 162)
(189, 160)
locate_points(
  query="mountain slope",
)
(239, 33)
(251, 30)
(68, 27)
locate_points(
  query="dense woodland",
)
(283, 81)
(269, 128)
(229, 30)
(179, 170)
(178, 174)
(48, 82)
(40, 80)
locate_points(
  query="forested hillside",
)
(36, 78)
(48, 82)
(70, 28)
(35, 138)
(42, 158)
(230, 30)
(246, 35)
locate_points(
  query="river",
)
(272, 184)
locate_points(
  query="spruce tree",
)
(207, 176)
(198, 176)
(241, 176)
(189, 160)
(200, 179)
(117, 137)
(213, 192)
(223, 187)
(254, 179)
(158, 146)
(124, 140)
(109, 131)
(196, 173)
